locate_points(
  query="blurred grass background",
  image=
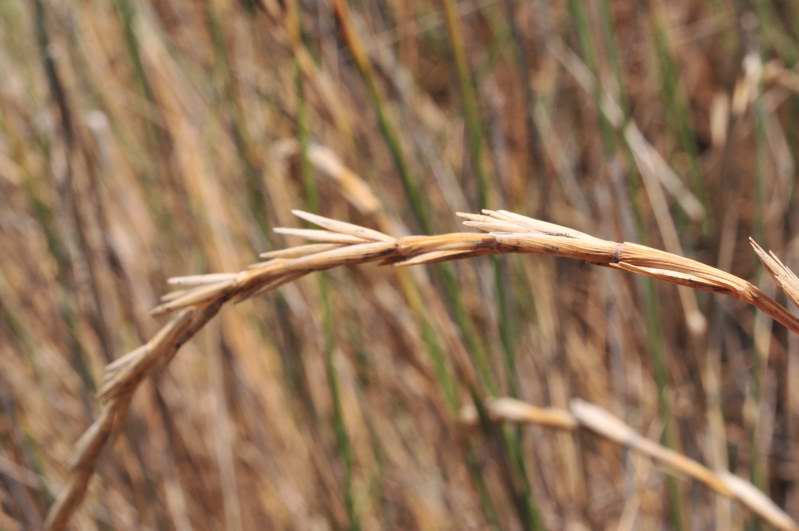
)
(141, 140)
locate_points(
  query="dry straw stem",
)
(338, 243)
(582, 414)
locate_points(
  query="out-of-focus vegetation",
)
(144, 140)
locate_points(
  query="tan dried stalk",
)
(582, 414)
(339, 243)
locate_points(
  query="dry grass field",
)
(388, 264)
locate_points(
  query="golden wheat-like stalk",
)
(337, 243)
